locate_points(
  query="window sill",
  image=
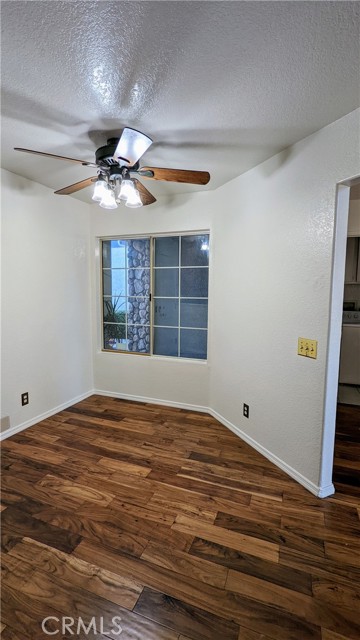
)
(157, 358)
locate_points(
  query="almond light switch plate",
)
(307, 348)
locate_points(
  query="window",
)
(155, 295)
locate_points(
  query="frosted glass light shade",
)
(131, 146)
(108, 200)
(99, 190)
(126, 188)
(134, 200)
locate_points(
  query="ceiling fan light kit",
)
(110, 194)
(99, 189)
(108, 199)
(115, 162)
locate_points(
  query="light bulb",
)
(99, 190)
(127, 187)
(108, 200)
(134, 200)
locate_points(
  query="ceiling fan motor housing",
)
(105, 156)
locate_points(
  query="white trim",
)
(29, 423)
(324, 492)
(166, 403)
(334, 335)
(320, 492)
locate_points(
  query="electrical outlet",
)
(246, 410)
(307, 348)
(25, 398)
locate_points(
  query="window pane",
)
(139, 339)
(195, 251)
(193, 313)
(165, 342)
(114, 282)
(115, 309)
(193, 343)
(166, 312)
(114, 336)
(138, 311)
(179, 297)
(167, 282)
(167, 252)
(114, 253)
(194, 283)
(138, 252)
(138, 282)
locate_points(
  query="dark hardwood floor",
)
(166, 519)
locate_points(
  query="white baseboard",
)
(320, 492)
(43, 416)
(166, 403)
(325, 492)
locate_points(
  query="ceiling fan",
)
(116, 163)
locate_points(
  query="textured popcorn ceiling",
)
(219, 86)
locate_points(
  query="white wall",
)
(272, 237)
(272, 234)
(46, 320)
(160, 379)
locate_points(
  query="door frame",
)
(334, 335)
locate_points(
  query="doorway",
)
(349, 375)
(344, 190)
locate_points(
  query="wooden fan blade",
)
(176, 175)
(72, 188)
(131, 146)
(145, 196)
(51, 155)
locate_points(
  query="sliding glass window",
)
(155, 295)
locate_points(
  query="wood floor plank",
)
(320, 533)
(147, 512)
(283, 537)
(102, 531)
(123, 467)
(22, 525)
(88, 576)
(242, 610)
(246, 634)
(318, 612)
(331, 635)
(34, 452)
(264, 509)
(10, 634)
(180, 616)
(21, 612)
(238, 541)
(76, 491)
(14, 572)
(165, 517)
(53, 597)
(185, 564)
(348, 554)
(168, 503)
(273, 572)
(12, 487)
(317, 566)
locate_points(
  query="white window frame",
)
(152, 237)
